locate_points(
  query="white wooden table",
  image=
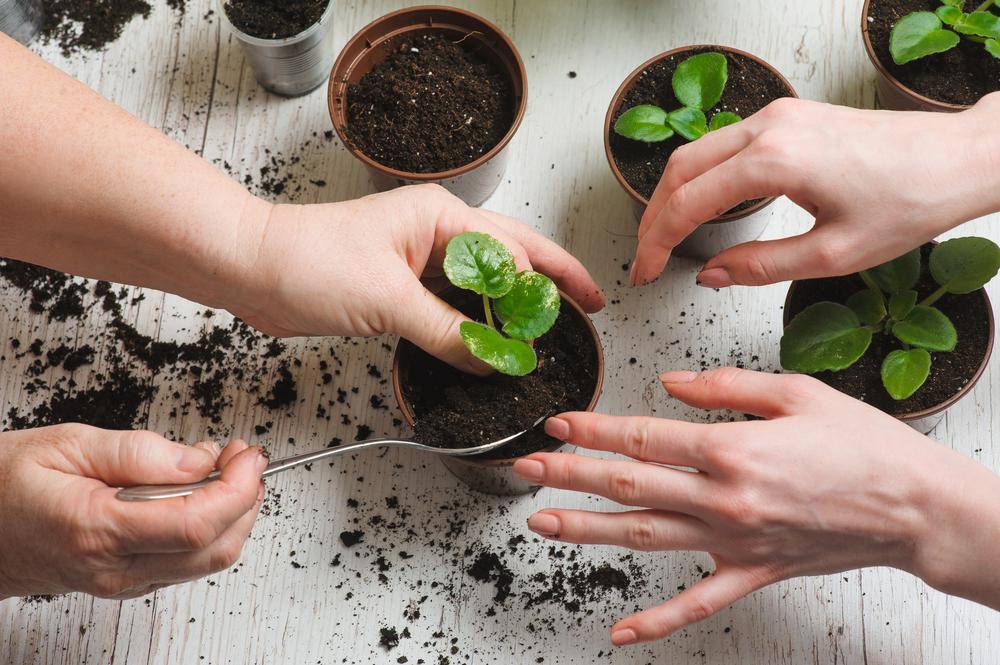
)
(189, 79)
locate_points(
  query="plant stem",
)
(489, 313)
(983, 7)
(934, 297)
(867, 279)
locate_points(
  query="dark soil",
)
(274, 19)
(949, 371)
(959, 76)
(432, 105)
(457, 410)
(88, 25)
(751, 87)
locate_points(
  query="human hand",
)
(64, 530)
(370, 266)
(879, 183)
(826, 484)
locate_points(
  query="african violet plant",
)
(698, 84)
(920, 34)
(526, 303)
(830, 336)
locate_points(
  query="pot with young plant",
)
(430, 94)
(911, 336)
(544, 350)
(932, 55)
(677, 97)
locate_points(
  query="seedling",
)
(698, 84)
(921, 34)
(526, 303)
(830, 336)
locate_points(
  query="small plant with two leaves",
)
(831, 336)
(526, 303)
(698, 84)
(920, 34)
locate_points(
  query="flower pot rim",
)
(627, 85)
(407, 411)
(281, 41)
(424, 17)
(949, 402)
(892, 80)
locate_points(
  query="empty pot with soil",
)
(721, 85)
(430, 94)
(910, 337)
(288, 43)
(932, 55)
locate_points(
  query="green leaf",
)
(958, 4)
(645, 123)
(824, 336)
(993, 47)
(918, 35)
(530, 308)
(899, 274)
(869, 306)
(963, 265)
(699, 81)
(901, 304)
(928, 328)
(507, 356)
(481, 263)
(949, 15)
(689, 123)
(980, 24)
(903, 372)
(723, 119)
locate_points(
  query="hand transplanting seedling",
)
(526, 303)
(920, 34)
(830, 336)
(698, 84)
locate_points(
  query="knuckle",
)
(225, 556)
(728, 455)
(699, 608)
(198, 533)
(637, 441)
(106, 586)
(623, 486)
(781, 108)
(721, 379)
(800, 388)
(760, 269)
(643, 535)
(740, 508)
(773, 149)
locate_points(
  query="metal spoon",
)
(152, 492)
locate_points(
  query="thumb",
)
(137, 458)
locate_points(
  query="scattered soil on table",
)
(751, 87)
(960, 76)
(949, 371)
(434, 104)
(90, 25)
(457, 410)
(274, 19)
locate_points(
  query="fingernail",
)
(262, 461)
(530, 469)
(210, 447)
(714, 278)
(624, 636)
(192, 459)
(683, 376)
(631, 274)
(557, 428)
(544, 524)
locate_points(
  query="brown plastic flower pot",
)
(925, 420)
(476, 181)
(496, 476)
(892, 94)
(724, 231)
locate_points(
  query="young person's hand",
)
(879, 183)
(824, 484)
(64, 530)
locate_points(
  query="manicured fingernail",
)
(714, 278)
(557, 428)
(262, 461)
(544, 524)
(530, 469)
(624, 636)
(192, 459)
(684, 376)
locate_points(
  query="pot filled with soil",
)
(21, 19)
(910, 337)
(288, 43)
(932, 55)
(545, 349)
(430, 95)
(677, 97)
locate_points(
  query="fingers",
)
(758, 393)
(628, 483)
(134, 457)
(701, 601)
(647, 530)
(552, 260)
(646, 439)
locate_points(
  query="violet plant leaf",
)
(479, 262)
(918, 35)
(927, 328)
(904, 371)
(530, 308)
(824, 336)
(507, 356)
(698, 81)
(964, 265)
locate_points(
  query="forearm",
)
(986, 116)
(86, 188)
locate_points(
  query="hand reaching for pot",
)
(64, 530)
(824, 484)
(879, 183)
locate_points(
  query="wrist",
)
(983, 147)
